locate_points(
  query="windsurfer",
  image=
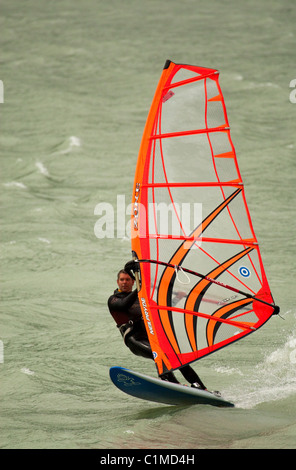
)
(125, 308)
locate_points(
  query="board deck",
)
(153, 389)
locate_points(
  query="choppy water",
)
(78, 82)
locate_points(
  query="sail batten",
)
(203, 284)
(191, 184)
(190, 80)
(192, 132)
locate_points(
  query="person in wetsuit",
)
(125, 308)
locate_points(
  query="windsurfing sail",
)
(202, 281)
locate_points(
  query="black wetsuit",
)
(126, 311)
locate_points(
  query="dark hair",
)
(123, 271)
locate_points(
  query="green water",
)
(79, 77)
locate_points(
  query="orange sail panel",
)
(190, 213)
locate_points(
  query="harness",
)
(126, 329)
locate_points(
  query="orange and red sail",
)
(187, 157)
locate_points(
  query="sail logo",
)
(244, 271)
(146, 312)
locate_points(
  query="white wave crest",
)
(272, 379)
(73, 142)
(42, 168)
(15, 184)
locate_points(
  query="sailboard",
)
(201, 280)
(153, 389)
